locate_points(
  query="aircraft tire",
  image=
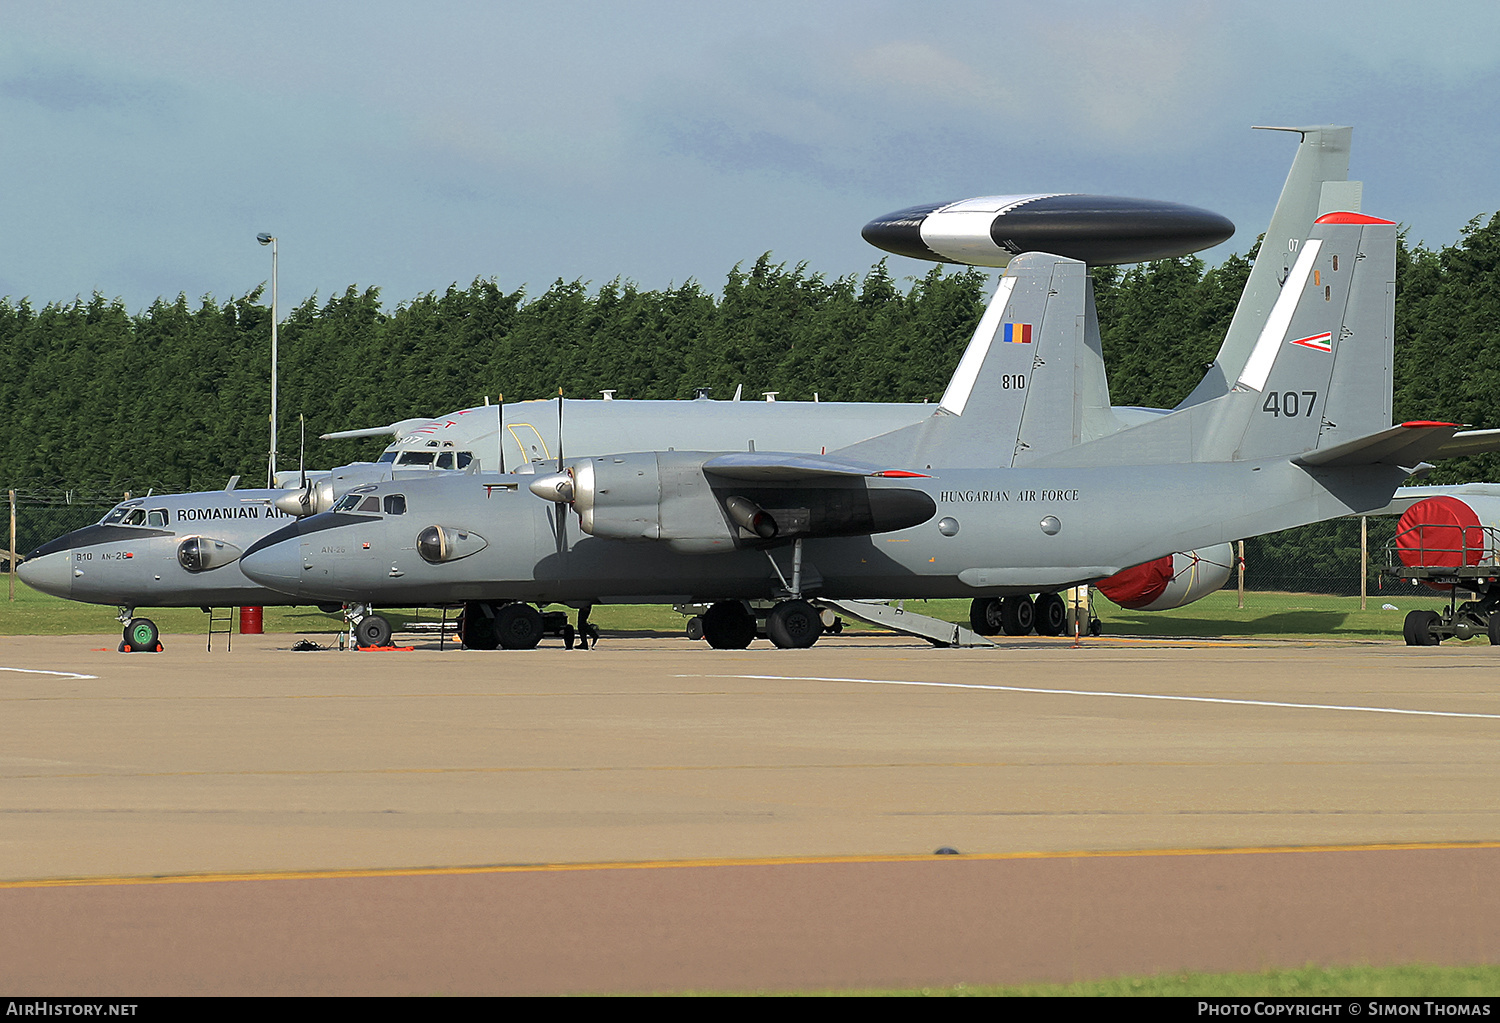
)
(728, 626)
(519, 626)
(794, 625)
(984, 616)
(476, 627)
(141, 635)
(1051, 615)
(372, 631)
(1417, 629)
(1017, 616)
(695, 628)
(1495, 629)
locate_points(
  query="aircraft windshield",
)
(386, 456)
(117, 515)
(417, 457)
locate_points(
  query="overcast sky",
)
(412, 146)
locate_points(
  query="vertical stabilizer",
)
(1029, 365)
(1315, 185)
(1317, 376)
(1324, 350)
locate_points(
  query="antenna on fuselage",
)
(499, 426)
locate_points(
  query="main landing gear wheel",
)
(794, 625)
(476, 627)
(1495, 629)
(984, 616)
(372, 631)
(519, 626)
(728, 626)
(1017, 616)
(1418, 628)
(1051, 615)
(141, 636)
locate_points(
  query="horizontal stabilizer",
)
(390, 430)
(1470, 442)
(1406, 444)
(768, 466)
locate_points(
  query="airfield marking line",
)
(43, 671)
(764, 861)
(1123, 696)
(645, 768)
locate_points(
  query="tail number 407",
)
(1290, 403)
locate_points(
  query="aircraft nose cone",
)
(901, 232)
(50, 573)
(278, 566)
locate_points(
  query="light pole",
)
(270, 239)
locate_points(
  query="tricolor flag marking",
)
(1318, 342)
(1017, 333)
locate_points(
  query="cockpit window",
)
(370, 504)
(395, 504)
(445, 460)
(386, 456)
(464, 458)
(136, 517)
(347, 503)
(417, 457)
(113, 517)
(156, 517)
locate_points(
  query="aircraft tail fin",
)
(1320, 372)
(1032, 377)
(1317, 184)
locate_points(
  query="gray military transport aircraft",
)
(990, 495)
(182, 550)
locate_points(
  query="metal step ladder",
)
(898, 619)
(221, 625)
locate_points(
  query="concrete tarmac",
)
(651, 751)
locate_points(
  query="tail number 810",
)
(1290, 403)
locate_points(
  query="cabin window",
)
(395, 504)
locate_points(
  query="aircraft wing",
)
(766, 467)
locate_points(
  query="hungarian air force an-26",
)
(990, 495)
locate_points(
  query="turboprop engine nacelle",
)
(668, 495)
(309, 500)
(1174, 580)
(1450, 532)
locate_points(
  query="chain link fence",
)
(39, 517)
